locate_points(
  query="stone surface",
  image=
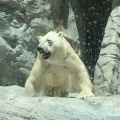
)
(107, 106)
(13, 106)
(107, 70)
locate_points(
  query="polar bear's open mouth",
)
(44, 53)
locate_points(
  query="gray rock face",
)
(107, 106)
(22, 22)
(13, 106)
(107, 70)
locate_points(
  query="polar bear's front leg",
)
(29, 89)
(85, 92)
(85, 87)
(80, 77)
(83, 83)
(32, 83)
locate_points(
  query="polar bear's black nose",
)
(40, 49)
(44, 52)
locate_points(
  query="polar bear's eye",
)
(50, 42)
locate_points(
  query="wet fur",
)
(56, 75)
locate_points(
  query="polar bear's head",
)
(52, 47)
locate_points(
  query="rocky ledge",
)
(13, 106)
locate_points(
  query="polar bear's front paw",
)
(85, 94)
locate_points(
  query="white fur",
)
(53, 76)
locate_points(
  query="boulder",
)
(13, 106)
(107, 69)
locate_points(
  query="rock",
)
(14, 106)
(107, 70)
(107, 106)
(10, 92)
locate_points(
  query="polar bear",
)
(57, 69)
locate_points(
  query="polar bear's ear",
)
(60, 34)
(39, 37)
